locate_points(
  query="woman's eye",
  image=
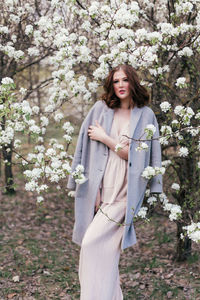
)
(126, 79)
(115, 81)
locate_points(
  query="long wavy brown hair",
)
(139, 94)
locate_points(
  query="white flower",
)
(31, 186)
(198, 164)
(189, 111)
(197, 116)
(36, 109)
(68, 138)
(44, 121)
(50, 108)
(118, 147)
(174, 123)
(68, 128)
(163, 198)
(186, 51)
(193, 231)
(183, 151)
(193, 131)
(40, 148)
(150, 130)
(164, 140)
(50, 152)
(81, 179)
(150, 172)
(174, 209)
(56, 163)
(142, 146)
(17, 143)
(58, 117)
(86, 26)
(166, 130)
(72, 194)
(151, 200)
(28, 29)
(4, 29)
(35, 129)
(180, 82)
(7, 80)
(166, 163)
(40, 199)
(23, 91)
(66, 167)
(79, 168)
(142, 212)
(179, 110)
(93, 86)
(175, 186)
(147, 192)
(165, 106)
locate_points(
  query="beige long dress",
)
(100, 249)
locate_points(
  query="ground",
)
(36, 250)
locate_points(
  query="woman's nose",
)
(120, 83)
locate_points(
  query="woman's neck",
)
(124, 106)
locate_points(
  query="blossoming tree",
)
(159, 39)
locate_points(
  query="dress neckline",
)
(121, 129)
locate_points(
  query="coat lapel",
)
(135, 116)
(108, 119)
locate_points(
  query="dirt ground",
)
(38, 260)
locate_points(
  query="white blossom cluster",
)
(174, 210)
(181, 82)
(175, 186)
(193, 231)
(152, 200)
(150, 130)
(78, 175)
(166, 163)
(142, 212)
(184, 113)
(183, 152)
(149, 172)
(142, 146)
(49, 164)
(165, 106)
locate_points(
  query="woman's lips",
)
(121, 92)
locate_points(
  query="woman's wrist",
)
(104, 139)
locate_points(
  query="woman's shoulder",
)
(147, 111)
(99, 105)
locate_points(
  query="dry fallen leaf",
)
(10, 296)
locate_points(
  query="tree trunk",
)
(183, 246)
(7, 156)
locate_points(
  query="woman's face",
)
(121, 85)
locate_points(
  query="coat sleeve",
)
(71, 184)
(156, 160)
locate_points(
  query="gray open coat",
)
(93, 156)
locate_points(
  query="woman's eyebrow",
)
(119, 78)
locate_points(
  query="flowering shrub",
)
(160, 39)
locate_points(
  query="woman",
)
(114, 181)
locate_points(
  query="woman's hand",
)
(97, 132)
